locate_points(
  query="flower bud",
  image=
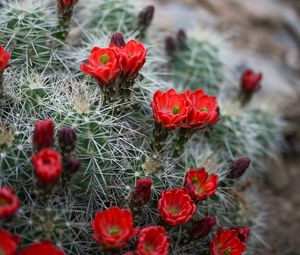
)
(239, 167)
(67, 139)
(142, 192)
(72, 166)
(250, 81)
(146, 16)
(202, 228)
(9, 203)
(181, 38)
(4, 58)
(43, 134)
(117, 39)
(243, 233)
(170, 45)
(67, 3)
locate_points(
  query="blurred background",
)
(264, 35)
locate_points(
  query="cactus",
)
(115, 139)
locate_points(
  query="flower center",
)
(46, 161)
(148, 248)
(203, 109)
(114, 230)
(2, 252)
(174, 210)
(227, 252)
(195, 180)
(104, 59)
(176, 109)
(2, 203)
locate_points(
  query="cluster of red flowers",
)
(114, 228)
(119, 60)
(4, 58)
(9, 245)
(186, 110)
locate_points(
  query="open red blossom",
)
(4, 58)
(8, 243)
(47, 166)
(204, 109)
(113, 228)
(200, 184)
(41, 248)
(43, 135)
(251, 81)
(169, 108)
(175, 207)
(226, 242)
(132, 58)
(103, 65)
(9, 202)
(153, 241)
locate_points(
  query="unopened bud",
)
(72, 166)
(203, 227)
(170, 45)
(243, 233)
(142, 192)
(239, 167)
(146, 16)
(181, 38)
(117, 39)
(67, 139)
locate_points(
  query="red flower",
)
(47, 166)
(103, 65)
(67, 2)
(176, 206)
(153, 241)
(43, 134)
(113, 228)
(200, 184)
(41, 248)
(204, 109)
(170, 109)
(226, 242)
(9, 202)
(132, 58)
(4, 58)
(243, 233)
(142, 192)
(9, 243)
(250, 81)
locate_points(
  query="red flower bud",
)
(142, 192)
(132, 58)
(176, 207)
(41, 248)
(243, 233)
(153, 240)
(181, 38)
(113, 228)
(202, 228)
(9, 202)
(47, 166)
(200, 184)
(4, 58)
(146, 16)
(67, 139)
(43, 135)
(9, 243)
(170, 45)
(239, 167)
(226, 242)
(67, 3)
(169, 108)
(72, 166)
(103, 65)
(204, 109)
(250, 81)
(117, 39)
